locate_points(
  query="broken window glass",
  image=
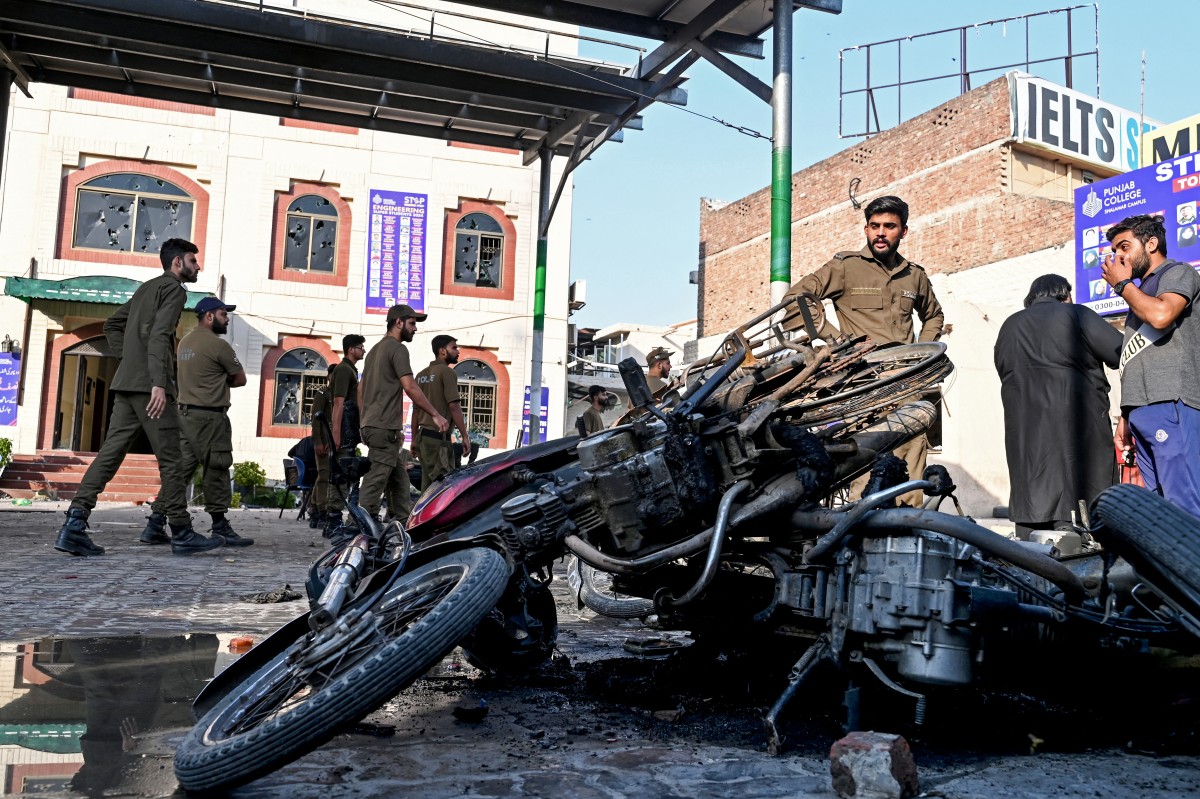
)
(479, 251)
(311, 241)
(477, 393)
(128, 212)
(299, 374)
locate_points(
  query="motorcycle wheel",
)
(881, 378)
(327, 681)
(1161, 542)
(595, 591)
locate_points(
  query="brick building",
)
(991, 209)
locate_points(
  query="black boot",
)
(316, 518)
(333, 520)
(73, 538)
(156, 529)
(185, 541)
(224, 529)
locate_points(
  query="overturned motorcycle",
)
(709, 512)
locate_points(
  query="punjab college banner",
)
(1170, 189)
(396, 239)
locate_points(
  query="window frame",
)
(267, 428)
(75, 180)
(341, 258)
(508, 269)
(499, 440)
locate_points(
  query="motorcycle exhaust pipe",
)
(347, 571)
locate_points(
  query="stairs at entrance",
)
(55, 473)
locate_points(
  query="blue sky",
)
(636, 213)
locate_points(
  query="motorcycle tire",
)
(595, 591)
(1160, 540)
(279, 714)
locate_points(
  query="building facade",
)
(991, 209)
(287, 215)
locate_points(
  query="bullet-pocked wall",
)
(238, 174)
(987, 216)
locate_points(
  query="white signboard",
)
(1074, 124)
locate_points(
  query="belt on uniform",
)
(427, 432)
(209, 408)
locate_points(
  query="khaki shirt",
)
(206, 362)
(439, 384)
(385, 364)
(320, 404)
(593, 422)
(343, 383)
(872, 300)
(142, 334)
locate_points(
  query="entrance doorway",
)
(85, 397)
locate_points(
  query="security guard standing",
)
(208, 368)
(439, 384)
(317, 449)
(344, 421)
(142, 334)
(875, 292)
(387, 374)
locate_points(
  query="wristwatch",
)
(1120, 286)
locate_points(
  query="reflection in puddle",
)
(81, 715)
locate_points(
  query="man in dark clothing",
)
(1051, 359)
(142, 334)
(593, 421)
(315, 454)
(439, 384)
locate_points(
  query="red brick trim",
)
(140, 102)
(503, 392)
(66, 221)
(50, 398)
(18, 773)
(341, 260)
(266, 397)
(487, 148)
(508, 275)
(288, 122)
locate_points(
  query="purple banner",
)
(1170, 189)
(396, 250)
(10, 379)
(541, 420)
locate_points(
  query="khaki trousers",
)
(388, 474)
(207, 441)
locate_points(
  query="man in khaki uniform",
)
(875, 292)
(344, 422)
(144, 400)
(439, 384)
(387, 374)
(658, 371)
(208, 368)
(593, 421)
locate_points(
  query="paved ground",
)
(591, 725)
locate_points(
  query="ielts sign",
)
(1075, 125)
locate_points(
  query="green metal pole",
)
(781, 153)
(539, 297)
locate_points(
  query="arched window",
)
(312, 236)
(120, 212)
(478, 252)
(299, 375)
(128, 212)
(312, 232)
(477, 386)
(479, 259)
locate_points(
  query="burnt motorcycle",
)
(709, 512)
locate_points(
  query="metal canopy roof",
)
(89, 288)
(246, 56)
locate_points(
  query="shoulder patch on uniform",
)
(916, 265)
(841, 256)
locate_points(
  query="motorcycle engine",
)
(640, 487)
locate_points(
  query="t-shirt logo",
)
(1160, 436)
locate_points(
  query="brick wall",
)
(951, 165)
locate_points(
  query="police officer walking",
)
(875, 292)
(387, 374)
(439, 384)
(344, 423)
(142, 334)
(208, 368)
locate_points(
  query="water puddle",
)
(97, 716)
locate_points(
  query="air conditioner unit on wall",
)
(577, 295)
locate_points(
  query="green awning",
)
(59, 739)
(98, 288)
